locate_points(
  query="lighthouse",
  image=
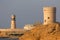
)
(13, 22)
(49, 15)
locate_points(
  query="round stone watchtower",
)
(13, 22)
(49, 15)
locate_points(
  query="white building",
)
(28, 27)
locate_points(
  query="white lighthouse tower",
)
(49, 15)
(13, 22)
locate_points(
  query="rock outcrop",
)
(43, 32)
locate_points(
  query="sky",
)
(26, 11)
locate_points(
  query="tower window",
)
(45, 20)
(48, 17)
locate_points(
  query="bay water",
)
(8, 38)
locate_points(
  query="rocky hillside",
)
(43, 32)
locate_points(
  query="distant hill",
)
(43, 32)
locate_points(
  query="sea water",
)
(8, 38)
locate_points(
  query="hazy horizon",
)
(26, 11)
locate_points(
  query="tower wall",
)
(49, 14)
